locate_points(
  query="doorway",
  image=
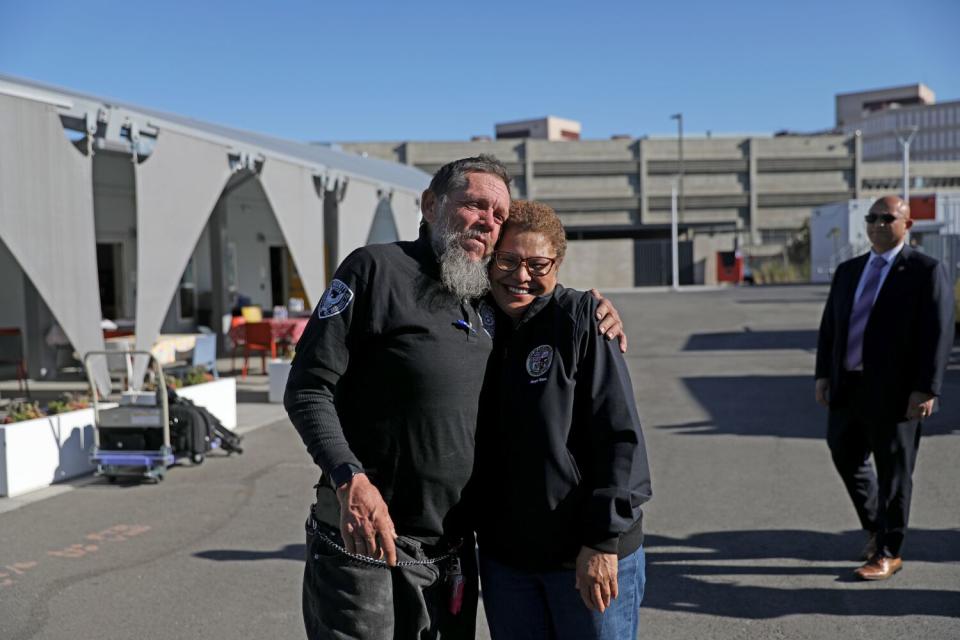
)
(110, 278)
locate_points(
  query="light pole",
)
(674, 239)
(676, 206)
(905, 143)
(679, 118)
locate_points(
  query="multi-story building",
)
(885, 116)
(547, 128)
(745, 193)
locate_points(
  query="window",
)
(188, 293)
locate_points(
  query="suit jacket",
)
(908, 337)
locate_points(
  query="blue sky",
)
(416, 70)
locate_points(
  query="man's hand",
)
(596, 578)
(823, 391)
(365, 522)
(919, 405)
(610, 325)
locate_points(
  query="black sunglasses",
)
(885, 218)
(536, 265)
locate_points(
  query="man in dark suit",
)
(884, 342)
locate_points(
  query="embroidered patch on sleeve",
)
(336, 298)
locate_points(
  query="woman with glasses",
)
(561, 464)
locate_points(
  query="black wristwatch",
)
(343, 473)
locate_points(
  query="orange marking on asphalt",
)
(116, 533)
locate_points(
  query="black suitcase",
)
(193, 429)
(190, 431)
(130, 438)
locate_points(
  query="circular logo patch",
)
(539, 360)
(488, 317)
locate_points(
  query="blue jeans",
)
(545, 605)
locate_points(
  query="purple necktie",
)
(861, 313)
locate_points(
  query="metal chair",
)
(205, 353)
(257, 338)
(252, 313)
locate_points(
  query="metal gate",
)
(652, 263)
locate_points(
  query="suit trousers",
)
(880, 491)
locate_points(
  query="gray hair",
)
(453, 175)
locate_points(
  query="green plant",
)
(19, 411)
(68, 402)
(192, 376)
(196, 375)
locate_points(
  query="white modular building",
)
(162, 223)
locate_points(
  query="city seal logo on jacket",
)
(335, 299)
(488, 317)
(539, 360)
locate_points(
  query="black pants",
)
(880, 496)
(351, 599)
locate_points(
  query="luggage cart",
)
(133, 438)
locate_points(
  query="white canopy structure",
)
(78, 171)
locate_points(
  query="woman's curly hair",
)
(529, 215)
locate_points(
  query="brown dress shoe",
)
(870, 548)
(879, 568)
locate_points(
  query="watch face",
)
(343, 474)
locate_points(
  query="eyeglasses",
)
(885, 218)
(536, 265)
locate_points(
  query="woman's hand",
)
(596, 578)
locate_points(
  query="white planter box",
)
(37, 453)
(218, 397)
(278, 371)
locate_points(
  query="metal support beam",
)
(528, 178)
(643, 181)
(857, 144)
(752, 195)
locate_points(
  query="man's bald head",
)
(891, 204)
(888, 222)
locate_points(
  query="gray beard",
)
(465, 277)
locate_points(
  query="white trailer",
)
(837, 233)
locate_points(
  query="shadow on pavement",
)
(250, 396)
(783, 407)
(290, 552)
(815, 298)
(678, 581)
(748, 340)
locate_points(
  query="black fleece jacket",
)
(387, 377)
(561, 459)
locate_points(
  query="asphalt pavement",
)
(749, 534)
